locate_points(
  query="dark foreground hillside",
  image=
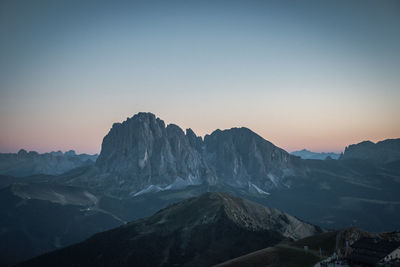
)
(199, 231)
(320, 247)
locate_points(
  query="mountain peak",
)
(234, 130)
(212, 206)
(144, 155)
(22, 152)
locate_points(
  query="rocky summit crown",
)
(142, 155)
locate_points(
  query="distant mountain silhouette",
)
(382, 152)
(26, 163)
(198, 231)
(306, 154)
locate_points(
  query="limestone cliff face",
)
(144, 155)
(143, 152)
(242, 158)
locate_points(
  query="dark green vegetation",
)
(199, 231)
(286, 254)
(291, 257)
(277, 256)
(324, 241)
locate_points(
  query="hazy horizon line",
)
(78, 151)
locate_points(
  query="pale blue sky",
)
(302, 74)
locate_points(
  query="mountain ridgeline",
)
(306, 154)
(199, 231)
(143, 155)
(25, 163)
(385, 151)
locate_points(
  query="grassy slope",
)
(278, 256)
(325, 241)
(289, 254)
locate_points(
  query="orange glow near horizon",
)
(319, 77)
(85, 136)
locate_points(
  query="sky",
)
(302, 74)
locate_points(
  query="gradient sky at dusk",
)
(303, 74)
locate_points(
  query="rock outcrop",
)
(385, 151)
(241, 158)
(143, 155)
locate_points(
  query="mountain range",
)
(29, 163)
(142, 155)
(145, 165)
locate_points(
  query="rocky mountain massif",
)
(142, 155)
(26, 163)
(199, 231)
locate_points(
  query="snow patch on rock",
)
(259, 190)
